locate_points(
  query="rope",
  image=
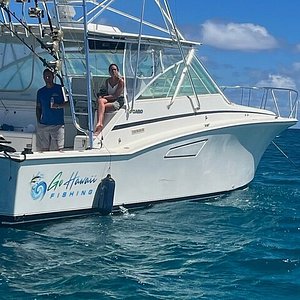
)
(285, 155)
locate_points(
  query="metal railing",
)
(282, 101)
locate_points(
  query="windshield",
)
(160, 70)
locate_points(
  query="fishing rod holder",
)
(57, 35)
(55, 65)
(53, 46)
(4, 3)
(35, 12)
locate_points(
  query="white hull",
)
(196, 165)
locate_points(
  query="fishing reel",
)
(53, 46)
(35, 12)
(4, 3)
(57, 35)
(55, 65)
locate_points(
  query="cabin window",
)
(99, 62)
(16, 66)
(159, 71)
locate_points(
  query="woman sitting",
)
(113, 100)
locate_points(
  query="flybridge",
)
(153, 15)
(22, 18)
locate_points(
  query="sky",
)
(245, 42)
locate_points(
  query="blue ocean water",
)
(243, 245)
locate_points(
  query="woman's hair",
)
(111, 65)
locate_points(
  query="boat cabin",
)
(159, 73)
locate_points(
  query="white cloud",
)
(278, 81)
(233, 36)
(296, 66)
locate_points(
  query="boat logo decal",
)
(38, 187)
(137, 111)
(61, 186)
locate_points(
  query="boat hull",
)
(194, 165)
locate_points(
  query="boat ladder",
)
(78, 83)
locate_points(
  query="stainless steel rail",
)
(282, 101)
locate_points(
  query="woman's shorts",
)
(118, 103)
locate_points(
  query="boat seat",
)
(79, 86)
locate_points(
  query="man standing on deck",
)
(50, 115)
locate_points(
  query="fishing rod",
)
(3, 6)
(37, 12)
(51, 50)
(44, 61)
(48, 15)
(55, 34)
(23, 14)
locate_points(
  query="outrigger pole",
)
(138, 54)
(186, 62)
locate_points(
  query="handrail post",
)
(88, 77)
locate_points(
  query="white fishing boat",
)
(177, 137)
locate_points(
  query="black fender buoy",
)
(104, 196)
